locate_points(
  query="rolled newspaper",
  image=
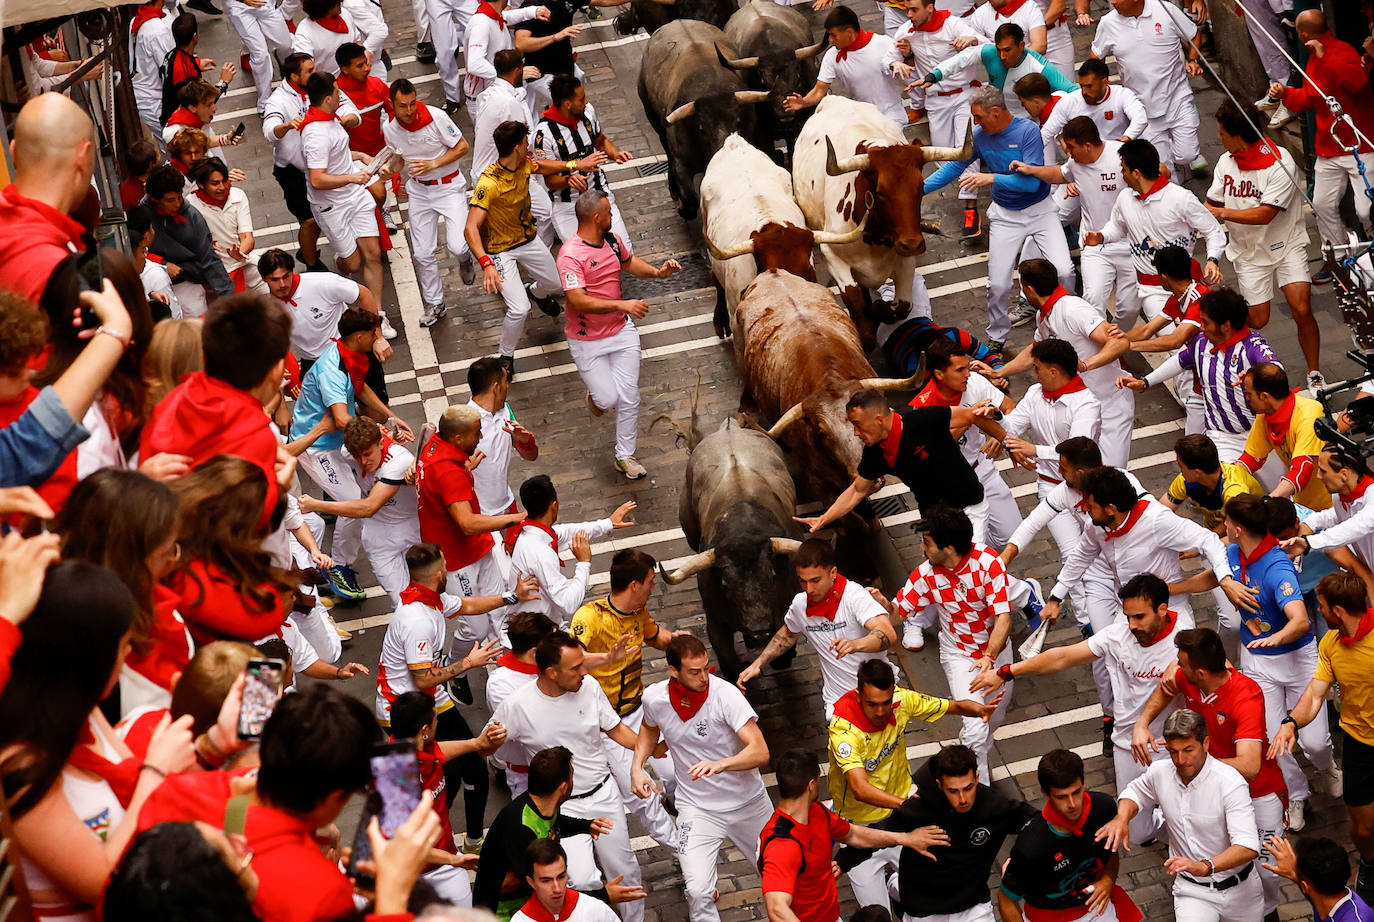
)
(1035, 642)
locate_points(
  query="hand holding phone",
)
(261, 690)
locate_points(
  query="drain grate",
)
(653, 169)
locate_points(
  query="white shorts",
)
(489, 576)
(344, 222)
(1256, 282)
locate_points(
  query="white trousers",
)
(1282, 678)
(980, 913)
(1259, 19)
(974, 733)
(262, 29)
(427, 205)
(649, 809)
(448, 28)
(1196, 903)
(192, 298)
(1330, 176)
(386, 547)
(1109, 270)
(1004, 516)
(1059, 49)
(1270, 820)
(565, 220)
(1008, 231)
(1102, 607)
(949, 119)
(868, 879)
(451, 884)
(150, 113)
(332, 473)
(612, 849)
(701, 833)
(1118, 420)
(610, 370)
(1147, 823)
(1175, 135)
(316, 626)
(490, 575)
(421, 14)
(534, 257)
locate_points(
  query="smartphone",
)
(90, 276)
(396, 779)
(237, 133)
(362, 845)
(261, 689)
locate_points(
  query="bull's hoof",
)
(688, 212)
(626, 23)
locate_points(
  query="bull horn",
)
(742, 249)
(894, 384)
(736, 63)
(681, 112)
(784, 545)
(932, 154)
(787, 419)
(810, 51)
(834, 238)
(751, 95)
(835, 167)
(694, 565)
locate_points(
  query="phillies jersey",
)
(1259, 175)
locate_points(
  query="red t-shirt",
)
(795, 858)
(372, 97)
(1236, 712)
(442, 478)
(55, 489)
(296, 882)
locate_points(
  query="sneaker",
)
(461, 689)
(473, 846)
(1108, 727)
(1315, 382)
(548, 303)
(1035, 604)
(630, 467)
(1332, 782)
(433, 314)
(973, 222)
(1022, 313)
(467, 269)
(1323, 275)
(913, 635)
(1200, 166)
(425, 52)
(1297, 815)
(1364, 881)
(388, 330)
(386, 59)
(344, 582)
(452, 108)
(996, 347)
(509, 362)
(591, 405)
(204, 6)
(1280, 117)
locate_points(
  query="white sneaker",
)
(631, 468)
(388, 330)
(1200, 166)
(1280, 117)
(1315, 382)
(1297, 815)
(913, 636)
(1332, 782)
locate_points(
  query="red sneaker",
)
(973, 222)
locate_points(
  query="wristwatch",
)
(509, 598)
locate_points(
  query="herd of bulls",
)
(854, 192)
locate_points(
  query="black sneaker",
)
(204, 6)
(509, 362)
(386, 60)
(452, 108)
(548, 303)
(460, 689)
(973, 222)
(1323, 275)
(1364, 881)
(1108, 725)
(425, 53)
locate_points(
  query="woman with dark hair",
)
(128, 523)
(79, 788)
(227, 585)
(182, 872)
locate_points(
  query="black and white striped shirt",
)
(570, 142)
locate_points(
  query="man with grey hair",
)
(1022, 209)
(1213, 839)
(602, 338)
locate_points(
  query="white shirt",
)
(325, 146)
(499, 102)
(1099, 183)
(1135, 672)
(415, 637)
(148, 49)
(534, 553)
(226, 224)
(486, 37)
(303, 654)
(1073, 320)
(491, 477)
(434, 140)
(1057, 37)
(857, 608)
(1232, 187)
(578, 720)
(397, 515)
(1119, 114)
(867, 75)
(319, 42)
(316, 305)
(371, 22)
(103, 448)
(986, 18)
(1063, 498)
(284, 106)
(711, 734)
(504, 681)
(929, 48)
(1052, 421)
(1149, 54)
(155, 279)
(586, 909)
(1206, 816)
(1168, 216)
(1345, 524)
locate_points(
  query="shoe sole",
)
(914, 649)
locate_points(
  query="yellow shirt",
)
(598, 625)
(505, 196)
(1353, 668)
(879, 752)
(1300, 440)
(1235, 481)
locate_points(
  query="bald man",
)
(54, 156)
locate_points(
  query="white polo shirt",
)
(578, 720)
(1149, 54)
(491, 478)
(1073, 320)
(1135, 672)
(416, 636)
(867, 75)
(1206, 816)
(397, 515)
(1119, 114)
(931, 46)
(325, 146)
(562, 589)
(856, 609)
(1268, 184)
(316, 304)
(226, 223)
(711, 734)
(436, 138)
(284, 106)
(1077, 413)
(1166, 215)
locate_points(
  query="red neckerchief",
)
(486, 9)
(686, 702)
(930, 396)
(1160, 183)
(1074, 386)
(515, 664)
(1276, 423)
(209, 199)
(1366, 625)
(934, 23)
(828, 606)
(858, 44)
(1049, 107)
(540, 526)
(1170, 622)
(1257, 156)
(316, 114)
(536, 911)
(553, 115)
(1136, 512)
(300, 91)
(423, 594)
(355, 364)
(336, 23)
(122, 777)
(366, 92)
(1008, 9)
(295, 283)
(184, 116)
(177, 218)
(1235, 338)
(848, 708)
(180, 167)
(1051, 301)
(1357, 492)
(423, 117)
(1264, 547)
(145, 14)
(1056, 819)
(893, 440)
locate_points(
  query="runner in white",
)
(487, 33)
(553, 900)
(262, 27)
(539, 539)
(281, 122)
(1175, 327)
(490, 387)
(1057, 407)
(1059, 49)
(1348, 525)
(987, 17)
(717, 748)
(150, 41)
(448, 27)
(1117, 111)
(327, 25)
(506, 100)
(430, 146)
(867, 64)
(845, 624)
(224, 207)
(315, 300)
(512, 672)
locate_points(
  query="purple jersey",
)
(1219, 370)
(1350, 909)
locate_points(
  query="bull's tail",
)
(690, 434)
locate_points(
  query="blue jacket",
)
(1018, 141)
(35, 445)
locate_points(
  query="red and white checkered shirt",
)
(969, 598)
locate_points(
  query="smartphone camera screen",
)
(261, 689)
(396, 778)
